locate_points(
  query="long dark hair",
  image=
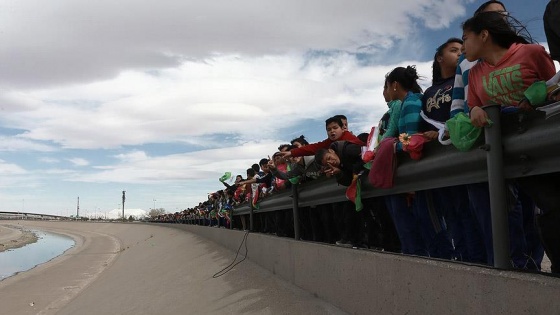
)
(486, 4)
(406, 77)
(504, 30)
(436, 67)
(300, 139)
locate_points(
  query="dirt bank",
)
(15, 236)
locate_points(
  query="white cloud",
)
(19, 144)
(79, 161)
(49, 160)
(437, 14)
(58, 171)
(225, 95)
(10, 169)
(13, 176)
(181, 168)
(66, 41)
(135, 156)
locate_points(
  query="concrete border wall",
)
(367, 282)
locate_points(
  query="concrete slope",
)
(148, 269)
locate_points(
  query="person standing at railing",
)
(242, 194)
(343, 161)
(402, 85)
(389, 122)
(461, 84)
(260, 186)
(279, 163)
(232, 188)
(526, 253)
(318, 219)
(299, 142)
(335, 132)
(444, 212)
(381, 217)
(509, 66)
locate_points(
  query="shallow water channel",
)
(47, 247)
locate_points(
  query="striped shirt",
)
(461, 86)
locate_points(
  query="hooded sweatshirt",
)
(505, 82)
(436, 103)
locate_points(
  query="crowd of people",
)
(496, 62)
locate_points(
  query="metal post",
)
(251, 211)
(123, 199)
(295, 207)
(497, 187)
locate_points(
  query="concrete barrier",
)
(368, 282)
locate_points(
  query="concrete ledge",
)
(366, 282)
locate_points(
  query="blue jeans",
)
(461, 223)
(433, 227)
(406, 224)
(479, 196)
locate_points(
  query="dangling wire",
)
(233, 263)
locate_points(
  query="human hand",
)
(524, 105)
(479, 117)
(431, 135)
(554, 95)
(286, 154)
(331, 170)
(271, 164)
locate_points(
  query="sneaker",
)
(343, 243)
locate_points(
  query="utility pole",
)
(123, 199)
(78, 209)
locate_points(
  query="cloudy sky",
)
(160, 98)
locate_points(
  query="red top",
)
(505, 83)
(311, 149)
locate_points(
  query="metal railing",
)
(515, 145)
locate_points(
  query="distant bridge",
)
(8, 215)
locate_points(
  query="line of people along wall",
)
(496, 62)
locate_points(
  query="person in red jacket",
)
(335, 132)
